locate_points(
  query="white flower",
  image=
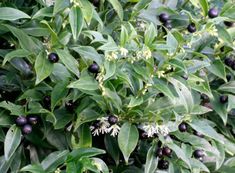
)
(114, 129)
(49, 2)
(160, 74)
(162, 129)
(150, 129)
(103, 127)
(147, 53)
(123, 51)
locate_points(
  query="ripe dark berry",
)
(159, 153)
(191, 28)
(53, 57)
(233, 65)
(163, 17)
(96, 124)
(228, 23)
(182, 127)
(205, 98)
(94, 68)
(163, 164)
(198, 153)
(47, 102)
(168, 25)
(112, 119)
(223, 99)
(228, 77)
(212, 13)
(21, 121)
(198, 134)
(27, 129)
(70, 106)
(32, 120)
(167, 151)
(228, 61)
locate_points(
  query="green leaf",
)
(172, 43)
(86, 82)
(33, 169)
(218, 69)
(185, 96)
(128, 139)
(204, 5)
(88, 52)
(180, 153)
(117, 7)
(224, 35)
(76, 21)
(44, 12)
(59, 91)
(85, 138)
(231, 102)
(69, 61)
(5, 164)
(102, 165)
(87, 10)
(15, 53)
(203, 127)
(228, 87)
(140, 5)
(111, 146)
(60, 5)
(7, 13)
(12, 141)
(151, 160)
(13, 108)
(164, 88)
(26, 42)
(110, 69)
(43, 67)
(80, 153)
(123, 36)
(150, 35)
(53, 160)
(135, 102)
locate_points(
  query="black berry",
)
(112, 119)
(212, 13)
(53, 57)
(228, 61)
(167, 151)
(233, 65)
(163, 164)
(223, 99)
(27, 129)
(96, 124)
(182, 127)
(94, 68)
(70, 106)
(205, 98)
(32, 120)
(228, 77)
(168, 25)
(159, 152)
(47, 102)
(198, 153)
(228, 23)
(21, 120)
(163, 17)
(191, 28)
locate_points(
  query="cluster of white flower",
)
(104, 127)
(111, 56)
(152, 128)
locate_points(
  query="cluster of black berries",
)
(229, 61)
(160, 153)
(165, 19)
(26, 123)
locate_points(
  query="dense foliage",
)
(127, 86)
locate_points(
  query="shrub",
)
(127, 86)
